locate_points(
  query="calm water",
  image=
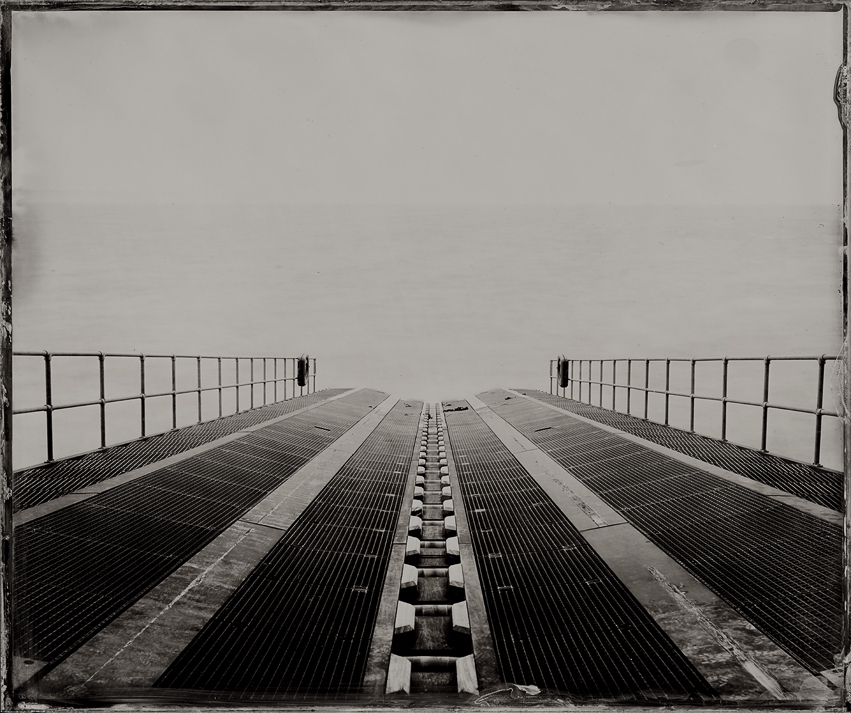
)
(429, 302)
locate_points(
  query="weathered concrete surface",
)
(631, 557)
(376, 681)
(142, 642)
(487, 669)
(768, 491)
(37, 511)
(138, 646)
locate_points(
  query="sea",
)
(426, 302)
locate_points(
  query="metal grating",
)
(80, 567)
(559, 616)
(300, 626)
(819, 485)
(779, 567)
(39, 485)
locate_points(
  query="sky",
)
(485, 108)
(432, 204)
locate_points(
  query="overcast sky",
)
(494, 108)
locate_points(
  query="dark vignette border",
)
(842, 98)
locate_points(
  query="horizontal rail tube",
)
(765, 406)
(49, 408)
(723, 399)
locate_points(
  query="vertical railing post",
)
(646, 386)
(48, 403)
(580, 380)
(819, 404)
(551, 376)
(219, 359)
(284, 379)
(765, 381)
(275, 378)
(667, 389)
(313, 375)
(691, 400)
(199, 389)
(102, 382)
(173, 391)
(570, 380)
(142, 403)
(236, 381)
(251, 379)
(628, 385)
(601, 383)
(264, 381)
(614, 383)
(724, 381)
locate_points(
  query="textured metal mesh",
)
(778, 566)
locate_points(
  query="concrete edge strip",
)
(633, 570)
(143, 641)
(819, 511)
(587, 510)
(378, 659)
(36, 511)
(484, 652)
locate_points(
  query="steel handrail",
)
(765, 405)
(48, 407)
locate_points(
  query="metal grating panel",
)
(80, 567)
(38, 485)
(559, 616)
(300, 626)
(779, 567)
(819, 485)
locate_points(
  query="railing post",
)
(628, 385)
(275, 378)
(48, 402)
(102, 380)
(142, 393)
(220, 385)
(173, 391)
(199, 389)
(819, 404)
(580, 380)
(236, 381)
(251, 379)
(667, 389)
(551, 376)
(646, 386)
(614, 383)
(313, 375)
(691, 400)
(601, 383)
(284, 379)
(264, 381)
(726, 364)
(764, 439)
